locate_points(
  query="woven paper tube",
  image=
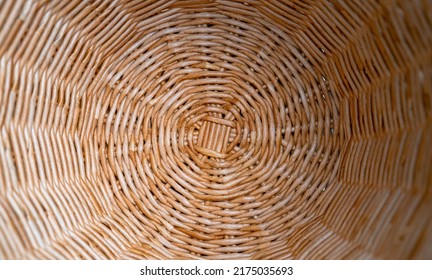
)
(216, 129)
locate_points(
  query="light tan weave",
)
(215, 129)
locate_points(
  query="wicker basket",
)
(215, 129)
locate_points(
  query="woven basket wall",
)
(216, 129)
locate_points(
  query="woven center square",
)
(216, 135)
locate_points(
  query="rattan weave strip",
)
(215, 129)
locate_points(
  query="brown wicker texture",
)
(215, 129)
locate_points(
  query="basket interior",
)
(215, 129)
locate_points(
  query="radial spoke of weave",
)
(215, 129)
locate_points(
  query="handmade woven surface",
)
(215, 129)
